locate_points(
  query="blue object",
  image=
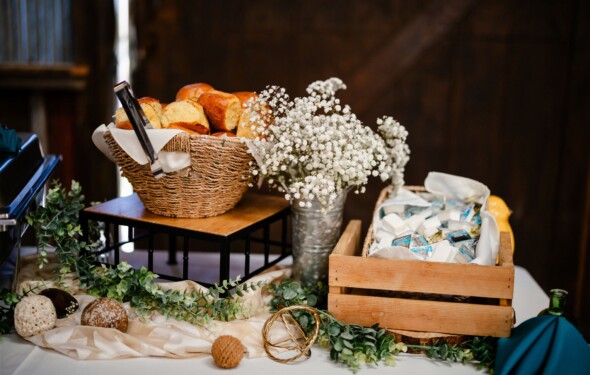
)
(9, 141)
(543, 345)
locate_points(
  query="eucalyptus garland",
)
(138, 287)
(355, 346)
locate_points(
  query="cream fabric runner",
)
(159, 336)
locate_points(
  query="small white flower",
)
(315, 147)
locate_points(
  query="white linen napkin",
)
(170, 160)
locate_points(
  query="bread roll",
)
(222, 109)
(193, 91)
(150, 106)
(187, 114)
(221, 134)
(244, 128)
(180, 127)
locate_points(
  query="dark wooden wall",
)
(492, 90)
(76, 96)
(495, 90)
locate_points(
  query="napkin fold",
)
(171, 161)
(9, 141)
(543, 345)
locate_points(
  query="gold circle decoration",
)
(299, 341)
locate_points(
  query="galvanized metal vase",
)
(315, 234)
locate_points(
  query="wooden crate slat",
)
(422, 277)
(420, 315)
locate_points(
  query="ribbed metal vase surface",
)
(316, 231)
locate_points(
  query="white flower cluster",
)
(395, 135)
(315, 148)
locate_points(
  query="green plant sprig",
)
(56, 224)
(138, 287)
(479, 350)
(351, 345)
(355, 346)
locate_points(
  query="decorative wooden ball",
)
(34, 315)
(64, 303)
(227, 351)
(105, 312)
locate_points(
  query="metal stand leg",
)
(247, 257)
(117, 241)
(185, 259)
(172, 249)
(224, 260)
(151, 251)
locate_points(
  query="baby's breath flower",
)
(316, 148)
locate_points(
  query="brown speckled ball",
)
(105, 312)
(227, 351)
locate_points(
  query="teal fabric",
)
(543, 345)
(9, 142)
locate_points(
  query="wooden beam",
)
(399, 54)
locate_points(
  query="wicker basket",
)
(213, 184)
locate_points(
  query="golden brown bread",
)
(188, 130)
(221, 134)
(150, 106)
(185, 114)
(244, 128)
(222, 109)
(193, 91)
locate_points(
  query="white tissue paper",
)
(171, 161)
(389, 223)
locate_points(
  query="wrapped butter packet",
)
(434, 236)
(443, 251)
(402, 200)
(464, 255)
(470, 212)
(447, 223)
(418, 240)
(428, 226)
(394, 224)
(403, 241)
(457, 236)
(384, 236)
(423, 251)
(450, 214)
(437, 201)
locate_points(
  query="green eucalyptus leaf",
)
(338, 345)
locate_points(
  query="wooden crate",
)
(360, 290)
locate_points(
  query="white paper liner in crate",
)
(455, 187)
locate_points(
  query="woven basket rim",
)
(214, 182)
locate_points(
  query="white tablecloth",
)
(18, 356)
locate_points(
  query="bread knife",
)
(139, 122)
